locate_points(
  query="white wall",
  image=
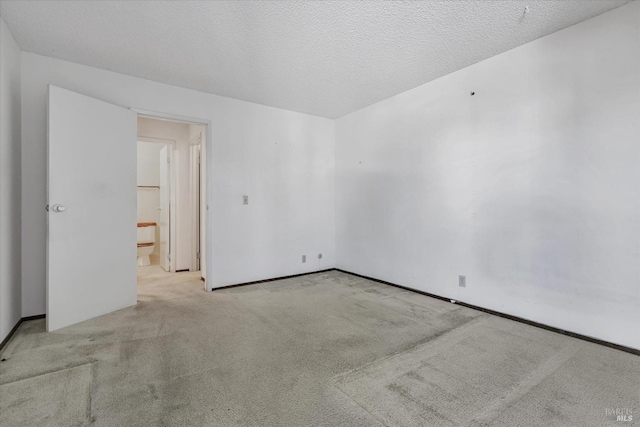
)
(530, 188)
(10, 263)
(283, 160)
(149, 163)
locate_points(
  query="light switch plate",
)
(462, 281)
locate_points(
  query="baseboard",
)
(504, 315)
(15, 328)
(272, 279)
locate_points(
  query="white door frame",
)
(208, 248)
(194, 189)
(171, 145)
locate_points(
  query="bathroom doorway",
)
(171, 208)
(156, 203)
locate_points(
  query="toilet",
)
(146, 242)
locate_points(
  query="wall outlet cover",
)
(462, 281)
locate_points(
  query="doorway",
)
(171, 195)
(156, 202)
(91, 205)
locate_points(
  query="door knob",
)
(59, 208)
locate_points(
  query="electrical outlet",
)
(304, 259)
(462, 281)
(245, 200)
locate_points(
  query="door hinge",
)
(169, 257)
(198, 255)
(168, 159)
(47, 208)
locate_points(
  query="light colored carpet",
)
(327, 349)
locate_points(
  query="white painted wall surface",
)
(10, 189)
(283, 160)
(530, 188)
(149, 163)
(178, 132)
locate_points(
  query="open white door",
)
(91, 223)
(203, 213)
(165, 211)
(195, 207)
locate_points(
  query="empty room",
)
(320, 213)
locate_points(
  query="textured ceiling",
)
(321, 58)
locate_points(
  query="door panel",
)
(165, 211)
(195, 200)
(91, 236)
(203, 211)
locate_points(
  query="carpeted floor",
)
(327, 349)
